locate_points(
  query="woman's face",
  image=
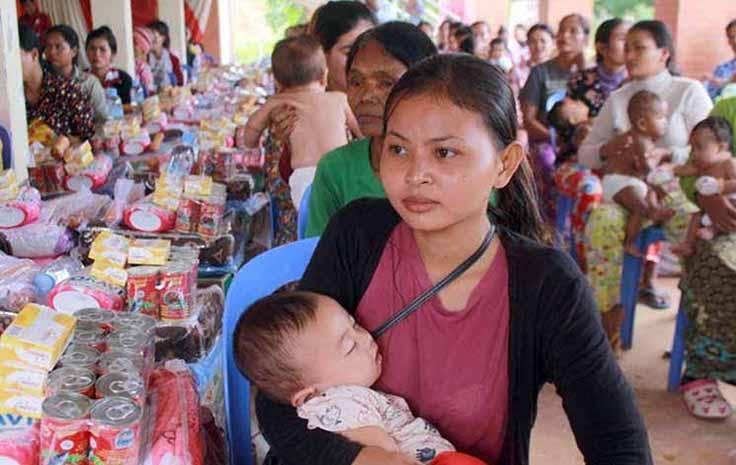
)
(571, 37)
(58, 51)
(453, 45)
(370, 79)
(614, 52)
(157, 44)
(643, 58)
(731, 35)
(445, 32)
(540, 46)
(337, 57)
(439, 163)
(99, 54)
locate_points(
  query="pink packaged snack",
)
(80, 292)
(136, 145)
(148, 217)
(25, 209)
(19, 440)
(92, 177)
(16, 282)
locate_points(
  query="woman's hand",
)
(378, 456)
(283, 120)
(721, 212)
(617, 145)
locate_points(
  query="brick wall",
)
(699, 30)
(211, 39)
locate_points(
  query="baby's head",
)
(293, 345)
(498, 49)
(648, 114)
(298, 61)
(711, 141)
(566, 114)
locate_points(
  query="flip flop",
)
(704, 400)
(653, 300)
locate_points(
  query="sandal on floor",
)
(704, 400)
(653, 299)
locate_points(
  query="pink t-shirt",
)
(451, 367)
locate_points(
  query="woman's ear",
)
(511, 158)
(302, 396)
(666, 55)
(600, 49)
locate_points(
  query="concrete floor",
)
(676, 437)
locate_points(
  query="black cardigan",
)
(555, 337)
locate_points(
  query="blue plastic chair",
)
(7, 153)
(258, 278)
(677, 354)
(301, 230)
(630, 278)
(563, 213)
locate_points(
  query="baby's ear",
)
(303, 395)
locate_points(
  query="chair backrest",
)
(258, 278)
(7, 153)
(303, 213)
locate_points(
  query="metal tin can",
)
(103, 318)
(136, 322)
(119, 384)
(210, 216)
(176, 292)
(115, 431)
(80, 356)
(187, 215)
(142, 288)
(71, 379)
(64, 430)
(129, 341)
(120, 361)
(90, 336)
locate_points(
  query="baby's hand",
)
(685, 170)
(684, 249)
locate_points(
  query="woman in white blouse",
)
(650, 59)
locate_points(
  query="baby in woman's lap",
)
(304, 349)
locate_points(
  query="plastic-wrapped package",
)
(74, 210)
(16, 282)
(174, 429)
(19, 440)
(24, 209)
(37, 240)
(192, 339)
(91, 177)
(127, 192)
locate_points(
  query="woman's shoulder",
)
(367, 216)
(345, 155)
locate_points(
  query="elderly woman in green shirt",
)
(378, 58)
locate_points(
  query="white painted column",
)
(172, 13)
(12, 98)
(225, 32)
(118, 16)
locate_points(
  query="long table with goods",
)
(115, 257)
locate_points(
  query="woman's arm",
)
(531, 97)
(589, 152)
(536, 129)
(323, 202)
(599, 403)
(696, 106)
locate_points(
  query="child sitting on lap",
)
(304, 349)
(715, 166)
(300, 71)
(624, 181)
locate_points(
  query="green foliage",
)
(284, 13)
(277, 15)
(630, 9)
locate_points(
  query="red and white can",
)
(64, 429)
(92, 177)
(187, 216)
(80, 356)
(90, 336)
(115, 431)
(119, 384)
(142, 290)
(80, 292)
(134, 322)
(71, 379)
(100, 317)
(176, 292)
(148, 217)
(120, 361)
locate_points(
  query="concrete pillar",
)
(496, 13)
(172, 13)
(699, 30)
(552, 11)
(117, 15)
(226, 15)
(211, 39)
(12, 98)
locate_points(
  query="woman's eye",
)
(397, 150)
(444, 152)
(387, 84)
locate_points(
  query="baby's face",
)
(497, 52)
(334, 350)
(706, 149)
(574, 111)
(655, 121)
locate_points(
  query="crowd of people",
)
(421, 149)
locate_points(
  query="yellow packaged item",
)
(20, 403)
(151, 109)
(167, 199)
(111, 247)
(19, 377)
(80, 155)
(149, 252)
(9, 193)
(198, 186)
(7, 177)
(109, 272)
(38, 131)
(38, 335)
(112, 128)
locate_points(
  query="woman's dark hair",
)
(477, 86)
(541, 27)
(334, 19)
(465, 39)
(163, 29)
(584, 23)
(662, 38)
(603, 34)
(70, 37)
(731, 24)
(28, 38)
(103, 32)
(403, 41)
